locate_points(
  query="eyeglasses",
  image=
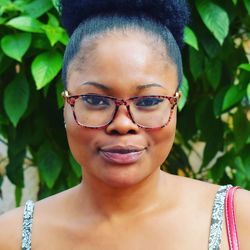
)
(99, 111)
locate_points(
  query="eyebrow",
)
(145, 86)
(104, 87)
(97, 85)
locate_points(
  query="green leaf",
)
(233, 96)
(53, 33)
(213, 72)
(184, 88)
(16, 97)
(49, 164)
(248, 91)
(16, 45)
(5, 62)
(245, 66)
(53, 21)
(59, 90)
(26, 23)
(15, 168)
(18, 195)
(241, 129)
(45, 67)
(190, 38)
(64, 38)
(218, 170)
(56, 4)
(247, 4)
(215, 18)
(218, 102)
(235, 2)
(196, 61)
(2, 20)
(37, 8)
(75, 166)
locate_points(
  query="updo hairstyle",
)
(88, 19)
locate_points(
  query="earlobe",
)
(178, 94)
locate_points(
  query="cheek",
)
(162, 141)
(80, 139)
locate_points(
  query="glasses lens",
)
(94, 110)
(151, 111)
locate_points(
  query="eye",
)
(96, 100)
(148, 101)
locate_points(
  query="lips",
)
(122, 154)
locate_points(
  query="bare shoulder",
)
(11, 229)
(242, 206)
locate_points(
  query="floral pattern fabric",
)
(215, 228)
(217, 218)
(27, 225)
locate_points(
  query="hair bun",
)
(174, 14)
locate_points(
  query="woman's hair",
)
(85, 19)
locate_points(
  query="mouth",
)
(122, 155)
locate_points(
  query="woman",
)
(122, 69)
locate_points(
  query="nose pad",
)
(122, 123)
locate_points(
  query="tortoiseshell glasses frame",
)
(71, 100)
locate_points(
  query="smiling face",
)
(122, 66)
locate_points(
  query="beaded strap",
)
(217, 218)
(27, 225)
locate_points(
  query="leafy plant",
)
(214, 108)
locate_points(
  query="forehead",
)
(123, 62)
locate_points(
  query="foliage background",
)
(214, 110)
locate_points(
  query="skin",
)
(124, 207)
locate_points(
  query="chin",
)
(124, 177)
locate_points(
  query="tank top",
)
(215, 227)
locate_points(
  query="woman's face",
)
(123, 66)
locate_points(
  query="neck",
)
(113, 202)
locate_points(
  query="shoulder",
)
(11, 222)
(242, 207)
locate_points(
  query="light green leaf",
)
(64, 38)
(53, 21)
(215, 18)
(4, 2)
(56, 4)
(49, 164)
(8, 6)
(190, 38)
(16, 97)
(45, 67)
(53, 33)
(184, 88)
(233, 95)
(37, 8)
(16, 45)
(235, 2)
(2, 20)
(248, 91)
(245, 66)
(247, 4)
(26, 23)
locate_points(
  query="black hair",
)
(164, 18)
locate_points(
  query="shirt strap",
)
(27, 225)
(217, 218)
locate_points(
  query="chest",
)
(159, 234)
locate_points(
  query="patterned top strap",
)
(217, 218)
(27, 225)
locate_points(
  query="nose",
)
(122, 123)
